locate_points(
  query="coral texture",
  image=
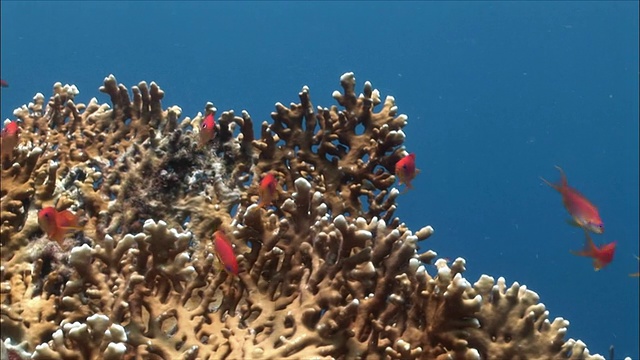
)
(326, 271)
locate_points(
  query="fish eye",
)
(204, 125)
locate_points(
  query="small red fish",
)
(583, 213)
(602, 256)
(406, 170)
(207, 129)
(4, 83)
(56, 224)
(224, 252)
(267, 190)
(10, 138)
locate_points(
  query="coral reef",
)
(326, 272)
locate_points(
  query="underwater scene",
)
(319, 180)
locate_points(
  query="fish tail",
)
(588, 242)
(587, 250)
(265, 200)
(563, 177)
(550, 183)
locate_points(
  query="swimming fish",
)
(207, 129)
(56, 224)
(224, 252)
(267, 190)
(602, 256)
(10, 138)
(4, 83)
(406, 170)
(583, 213)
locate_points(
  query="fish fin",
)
(58, 236)
(573, 222)
(69, 219)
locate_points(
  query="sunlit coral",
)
(326, 270)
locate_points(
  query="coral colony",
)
(324, 269)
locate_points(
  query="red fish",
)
(267, 190)
(10, 138)
(602, 256)
(4, 83)
(56, 224)
(583, 213)
(224, 252)
(207, 129)
(406, 170)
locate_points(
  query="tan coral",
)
(328, 272)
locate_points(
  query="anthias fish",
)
(224, 252)
(10, 137)
(207, 129)
(583, 213)
(406, 170)
(57, 224)
(601, 256)
(267, 190)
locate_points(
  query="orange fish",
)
(224, 252)
(10, 138)
(602, 256)
(207, 129)
(4, 83)
(406, 170)
(583, 213)
(57, 223)
(267, 190)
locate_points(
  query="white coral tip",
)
(115, 351)
(302, 184)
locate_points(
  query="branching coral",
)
(327, 272)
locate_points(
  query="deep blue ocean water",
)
(497, 93)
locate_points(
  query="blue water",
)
(496, 94)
